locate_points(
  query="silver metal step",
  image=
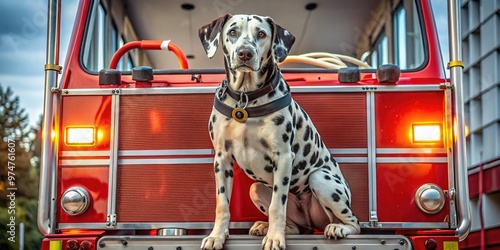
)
(243, 242)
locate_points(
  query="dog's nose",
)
(245, 54)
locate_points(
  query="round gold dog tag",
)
(239, 115)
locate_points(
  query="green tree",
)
(23, 183)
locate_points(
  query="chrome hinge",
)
(111, 221)
(374, 220)
(446, 85)
(453, 212)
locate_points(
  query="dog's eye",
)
(262, 34)
(232, 33)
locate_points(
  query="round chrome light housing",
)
(75, 201)
(430, 198)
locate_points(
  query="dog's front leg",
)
(223, 168)
(275, 238)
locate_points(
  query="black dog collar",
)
(240, 114)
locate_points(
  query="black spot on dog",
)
(327, 177)
(307, 149)
(289, 127)
(327, 167)
(285, 137)
(336, 197)
(257, 18)
(275, 188)
(216, 167)
(307, 171)
(345, 211)
(296, 148)
(229, 173)
(293, 182)
(339, 192)
(305, 114)
(290, 109)
(262, 209)
(306, 133)
(302, 165)
(327, 159)
(222, 190)
(329, 209)
(227, 145)
(295, 170)
(278, 120)
(347, 203)
(319, 163)
(283, 199)
(269, 169)
(211, 135)
(264, 143)
(219, 154)
(299, 123)
(250, 172)
(314, 158)
(307, 189)
(285, 181)
(346, 193)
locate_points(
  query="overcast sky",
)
(23, 34)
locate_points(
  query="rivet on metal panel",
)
(401, 242)
(353, 247)
(382, 241)
(102, 244)
(150, 248)
(178, 248)
(124, 242)
(315, 248)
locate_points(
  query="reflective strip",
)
(84, 153)
(348, 150)
(411, 151)
(351, 159)
(164, 45)
(84, 162)
(165, 161)
(166, 152)
(412, 160)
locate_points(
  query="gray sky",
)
(23, 42)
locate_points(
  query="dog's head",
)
(248, 41)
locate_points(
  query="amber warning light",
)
(80, 136)
(426, 133)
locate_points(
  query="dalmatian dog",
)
(256, 123)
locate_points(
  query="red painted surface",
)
(491, 181)
(491, 239)
(95, 181)
(441, 242)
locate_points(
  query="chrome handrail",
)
(456, 71)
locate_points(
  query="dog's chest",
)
(248, 144)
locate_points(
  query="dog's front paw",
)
(214, 241)
(274, 242)
(259, 228)
(338, 231)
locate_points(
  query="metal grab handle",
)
(150, 45)
(456, 68)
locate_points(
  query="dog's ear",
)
(282, 41)
(210, 34)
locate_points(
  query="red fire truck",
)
(127, 158)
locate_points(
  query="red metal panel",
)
(340, 118)
(97, 113)
(356, 175)
(397, 111)
(95, 181)
(442, 242)
(163, 193)
(396, 187)
(149, 122)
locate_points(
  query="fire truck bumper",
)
(314, 242)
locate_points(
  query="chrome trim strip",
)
(412, 159)
(209, 90)
(348, 150)
(84, 153)
(87, 162)
(234, 225)
(430, 225)
(351, 159)
(249, 242)
(411, 151)
(166, 152)
(165, 161)
(113, 161)
(372, 156)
